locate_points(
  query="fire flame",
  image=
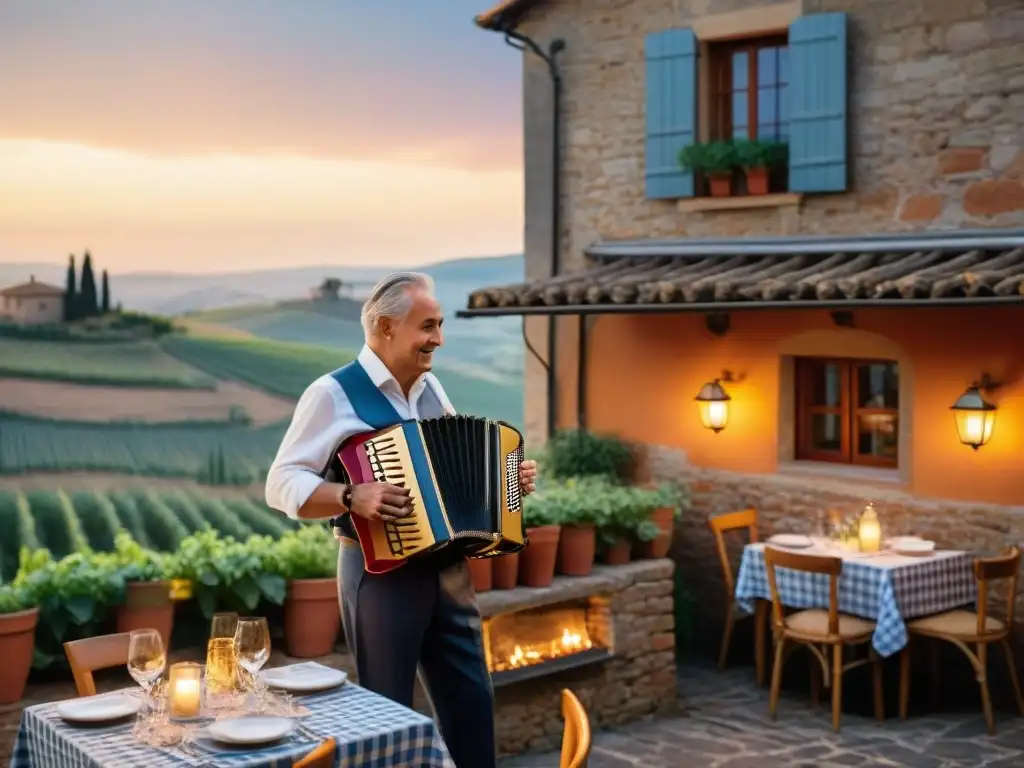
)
(567, 643)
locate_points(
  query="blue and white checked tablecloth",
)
(371, 732)
(885, 588)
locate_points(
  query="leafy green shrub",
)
(13, 599)
(759, 153)
(134, 562)
(712, 157)
(579, 453)
(227, 574)
(311, 552)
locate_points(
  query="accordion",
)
(463, 475)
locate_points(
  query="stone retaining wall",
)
(639, 680)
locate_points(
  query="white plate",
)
(250, 729)
(791, 540)
(304, 678)
(915, 548)
(99, 709)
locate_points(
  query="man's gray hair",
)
(390, 298)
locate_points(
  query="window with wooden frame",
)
(847, 411)
(749, 79)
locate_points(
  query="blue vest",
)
(374, 409)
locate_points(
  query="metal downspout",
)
(522, 42)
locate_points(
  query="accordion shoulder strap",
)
(370, 404)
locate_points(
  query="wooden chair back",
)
(95, 653)
(722, 524)
(823, 564)
(576, 734)
(322, 757)
(1005, 567)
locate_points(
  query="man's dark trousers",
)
(426, 615)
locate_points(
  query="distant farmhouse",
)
(32, 303)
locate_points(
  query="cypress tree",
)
(70, 291)
(88, 306)
(105, 305)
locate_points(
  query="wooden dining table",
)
(884, 587)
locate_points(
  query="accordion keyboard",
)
(512, 487)
(388, 457)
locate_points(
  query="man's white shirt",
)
(323, 419)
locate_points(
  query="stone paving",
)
(726, 725)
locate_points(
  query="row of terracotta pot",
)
(569, 550)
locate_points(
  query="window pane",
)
(740, 67)
(783, 64)
(783, 104)
(825, 383)
(826, 433)
(878, 386)
(767, 66)
(877, 435)
(739, 115)
(767, 106)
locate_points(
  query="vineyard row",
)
(79, 521)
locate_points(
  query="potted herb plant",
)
(663, 506)
(537, 559)
(758, 159)
(577, 504)
(18, 619)
(715, 160)
(307, 560)
(147, 596)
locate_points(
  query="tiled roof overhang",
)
(957, 268)
(505, 15)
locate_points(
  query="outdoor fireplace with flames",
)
(537, 641)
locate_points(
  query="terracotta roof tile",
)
(677, 276)
(506, 13)
(32, 288)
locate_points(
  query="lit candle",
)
(869, 531)
(185, 689)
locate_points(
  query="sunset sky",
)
(202, 135)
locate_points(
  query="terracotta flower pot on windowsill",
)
(481, 571)
(312, 617)
(721, 184)
(147, 605)
(537, 559)
(576, 549)
(757, 181)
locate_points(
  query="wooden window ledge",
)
(739, 202)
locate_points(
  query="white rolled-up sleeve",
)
(305, 451)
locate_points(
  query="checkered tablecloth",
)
(371, 732)
(884, 588)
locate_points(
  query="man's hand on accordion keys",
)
(528, 477)
(380, 501)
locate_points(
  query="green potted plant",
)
(226, 574)
(147, 596)
(758, 159)
(307, 560)
(715, 160)
(577, 505)
(625, 520)
(663, 505)
(579, 453)
(537, 560)
(18, 618)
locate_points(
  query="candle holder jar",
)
(185, 690)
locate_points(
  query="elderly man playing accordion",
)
(422, 617)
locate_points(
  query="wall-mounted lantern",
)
(713, 403)
(974, 415)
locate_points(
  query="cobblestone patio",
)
(726, 725)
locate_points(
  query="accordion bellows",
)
(463, 474)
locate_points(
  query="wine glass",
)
(147, 659)
(252, 650)
(223, 625)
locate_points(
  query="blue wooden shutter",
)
(671, 64)
(817, 103)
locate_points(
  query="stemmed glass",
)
(147, 660)
(252, 651)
